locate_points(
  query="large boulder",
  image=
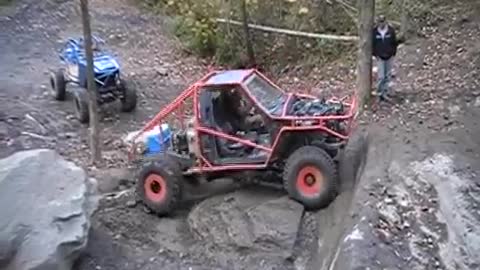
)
(239, 222)
(45, 207)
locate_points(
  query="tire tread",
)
(316, 155)
(170, 171)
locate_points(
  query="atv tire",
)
(129, 97)
(159, 185)
(310, 177)
(58, 85)
(80, 104)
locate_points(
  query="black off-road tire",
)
(58, 85)
(129, 98)
(311, 161)
(80, 105)
(155, 177)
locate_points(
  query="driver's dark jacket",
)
(227, 117)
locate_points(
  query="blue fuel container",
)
(158, 142)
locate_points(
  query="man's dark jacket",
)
(386, 47)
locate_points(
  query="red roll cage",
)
(238, 78)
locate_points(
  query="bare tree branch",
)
(289, 32)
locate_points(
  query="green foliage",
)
(227, 51)
(198, 34)
(5, 2)
(196, 26)
(194, 22)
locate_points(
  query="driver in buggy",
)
(234, 114)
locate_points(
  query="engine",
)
(193, 144)
(319, 107)
(316, 107)
(180, 143)
(184, 142)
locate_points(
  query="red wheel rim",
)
(155, 188)
(309, 181)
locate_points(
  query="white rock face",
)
(458, 197)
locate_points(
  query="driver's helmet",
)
(234, 101)
(229, 97)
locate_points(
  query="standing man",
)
(384, 49)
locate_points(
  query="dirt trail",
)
(415, 204)
(32, 35)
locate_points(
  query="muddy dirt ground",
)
(416, 206)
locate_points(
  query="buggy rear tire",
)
(58, 85)
(159, 185)
(80, 105)
(310, 177)
(129, 97)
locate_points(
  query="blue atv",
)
(110, 85)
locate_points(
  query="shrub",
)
(5, 2)
(195, 24)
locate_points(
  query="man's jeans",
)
(384, 74)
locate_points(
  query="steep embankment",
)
(416, 207)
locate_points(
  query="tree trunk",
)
(95, 150)
(404, 19)
(248, 37)
(366, 10)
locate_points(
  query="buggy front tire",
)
(310, 177)
(159, 186)
(129, 97)
(80, 105)
(58, 85)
